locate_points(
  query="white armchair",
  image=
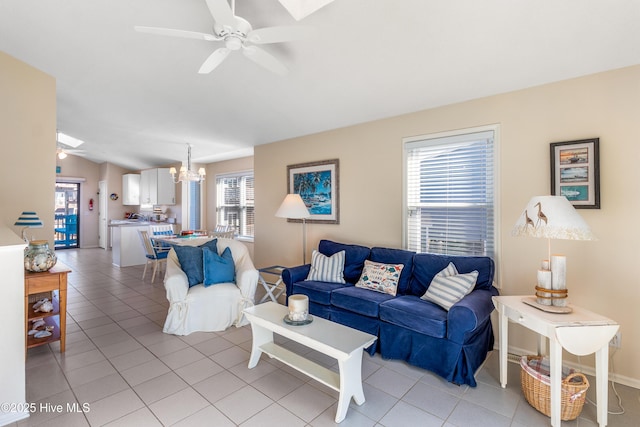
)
(212, 308)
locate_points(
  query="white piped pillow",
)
(327, 269)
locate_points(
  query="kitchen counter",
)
(134, 222)
(126, 247)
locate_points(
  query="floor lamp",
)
(293, 207)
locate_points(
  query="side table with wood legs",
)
(52, 281)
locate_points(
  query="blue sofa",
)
(453, 343)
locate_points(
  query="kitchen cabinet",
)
(131, 189)
(157, 187)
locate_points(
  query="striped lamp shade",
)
(28, 219)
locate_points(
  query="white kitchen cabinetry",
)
(157, 187)
(131, 189)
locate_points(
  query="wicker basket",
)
(537, 390)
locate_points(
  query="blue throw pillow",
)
(218, 268)
(190, 258)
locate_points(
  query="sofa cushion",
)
(327, 268)
(318, 292)
(411, 312)
(354, 257)
(448, 290)
(359, 300)
(190, 258)
(218, 268)
(396, 256)
(426, 266)
(380, 277)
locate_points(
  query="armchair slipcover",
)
(212, 308)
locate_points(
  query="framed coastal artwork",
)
(575, 172)
(318, 185)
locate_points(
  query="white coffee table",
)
(333, 339)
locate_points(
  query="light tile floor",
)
(126, 372)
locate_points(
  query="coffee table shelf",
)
(333, 339)
(317, 372)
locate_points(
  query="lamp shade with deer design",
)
(552, 217)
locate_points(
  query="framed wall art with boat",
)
(575, 172)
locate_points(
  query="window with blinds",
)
(450, 194)
(195, 205)
(235, 202)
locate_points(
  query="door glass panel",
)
(66, 217)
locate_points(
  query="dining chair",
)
(155, 253)
(223, 231)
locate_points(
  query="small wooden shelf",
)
(55, 334)
(32, 314)
(53, 282)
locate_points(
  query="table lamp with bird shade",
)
(552, 217)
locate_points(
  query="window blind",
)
(450, 194)
(236, 202)
(195, 205)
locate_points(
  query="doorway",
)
(66, 216)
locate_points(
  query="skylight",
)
(301, 8)
(69, 140)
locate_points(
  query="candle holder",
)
(298, 311)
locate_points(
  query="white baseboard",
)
(589, 370)
(12, 417)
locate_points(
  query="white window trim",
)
(249, 239)
(496, 176)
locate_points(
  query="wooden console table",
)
(580, 332)
(35, 283)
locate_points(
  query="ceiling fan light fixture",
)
(61, 154)
(233, 43)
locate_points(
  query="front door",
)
(66, 217)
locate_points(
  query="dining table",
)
(177, 240)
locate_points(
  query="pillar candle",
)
(544, 281)
(559, 277)
(559, 272)
(298, 307)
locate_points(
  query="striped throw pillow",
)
(446, 290)
(327, 269)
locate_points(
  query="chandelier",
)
(186, 173)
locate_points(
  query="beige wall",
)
(213, 169)
(28, 132)
(28, 129)
(600, 274)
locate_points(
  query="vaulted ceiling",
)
(136, 98)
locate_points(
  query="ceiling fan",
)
(237, 34)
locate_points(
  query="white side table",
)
(580, 332)
(271, 286)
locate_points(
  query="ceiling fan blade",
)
(278, 34)
(176, 33)
(214, 60)
(264, 59)
(222, 13)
